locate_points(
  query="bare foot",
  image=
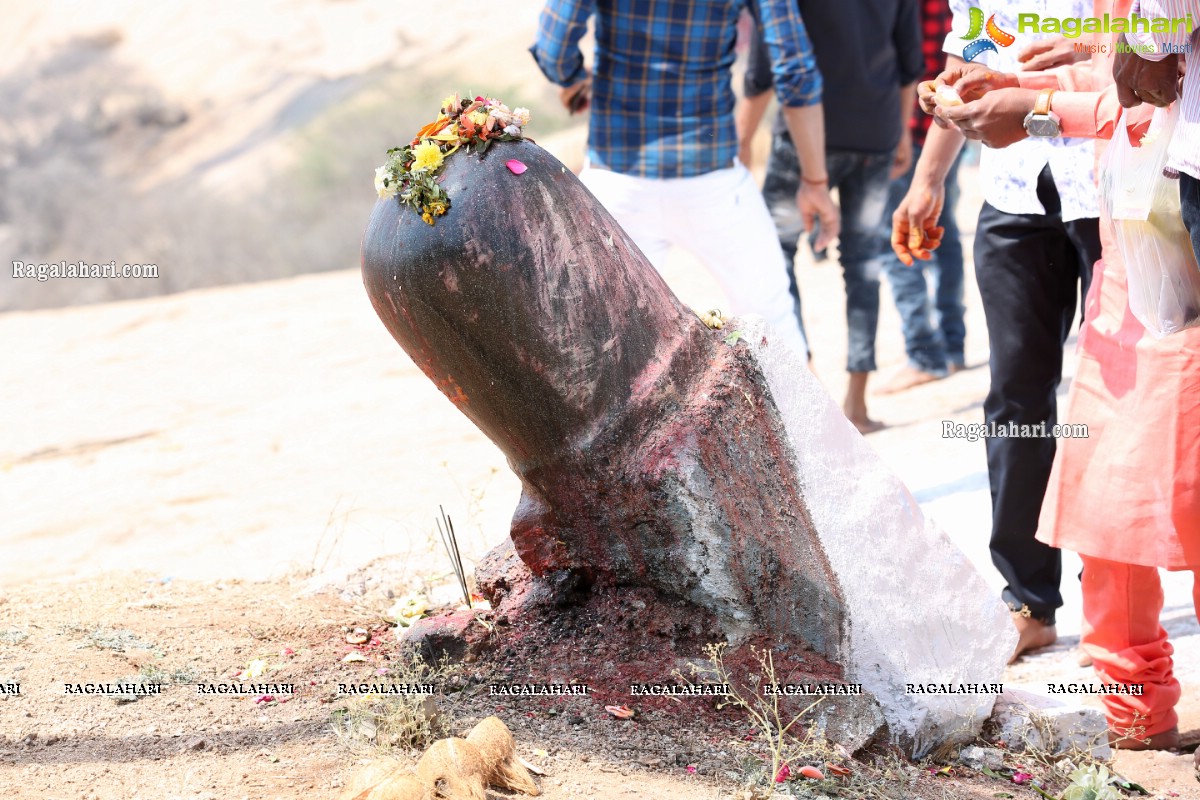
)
(855, 404)
(867, 425)
(1083, 657)
(1032, 635)
(906, 378)
(1167, 740)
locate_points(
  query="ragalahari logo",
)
(995, 36)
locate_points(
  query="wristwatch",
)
(1041, 122)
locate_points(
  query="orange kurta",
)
(1130, 491)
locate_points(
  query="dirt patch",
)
(181, 744)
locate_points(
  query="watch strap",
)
(1041, 106)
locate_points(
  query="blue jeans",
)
(1189, 200)
(862, 183)
(932, 344)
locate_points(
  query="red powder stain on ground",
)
(612, 640)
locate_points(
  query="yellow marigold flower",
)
(480, 118)
(437, 209)
(426, 156)
(425, 215)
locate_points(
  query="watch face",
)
(1041, 126)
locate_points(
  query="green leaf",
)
(1130, 786)
(733, 338)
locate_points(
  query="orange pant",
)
(1121, 632)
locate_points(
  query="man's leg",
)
(635, 203)
(948, 278)
(910, 291)
(780, 186)
(1027, 268)
(1189, 200)
(721, 218)
(1122, 634)
(862, 184)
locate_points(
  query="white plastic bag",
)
(1142, 205)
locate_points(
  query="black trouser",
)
(1029, 268)
(1189, 199)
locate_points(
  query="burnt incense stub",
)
(654, 453)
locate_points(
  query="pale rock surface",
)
(917, 610)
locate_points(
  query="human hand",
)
(969, 81)
(1139, 80)
(816, 206)
(973, 85)
(915, 232)
(746, 152)
(577, 96)
(927, 95)
(902, 159)
(997, 119)
(1057, 51)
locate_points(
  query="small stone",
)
(853, 721)
(1027, 720)
(453, 635)
(979, 757)
(194, 743)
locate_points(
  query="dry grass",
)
(379, 725)
(781, 738)
(13, 636)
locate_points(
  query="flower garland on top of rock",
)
(411, 171)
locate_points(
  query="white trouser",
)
(720, 218)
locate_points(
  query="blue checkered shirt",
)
(662, 102)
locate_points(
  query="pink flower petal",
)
(784, 773)
(1021, 778)
(515, 167)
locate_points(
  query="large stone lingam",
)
(708, 466)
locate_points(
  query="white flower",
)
(1092, 783)
(522, 116)
(386, 185)
(512, 130)
(503, 116)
